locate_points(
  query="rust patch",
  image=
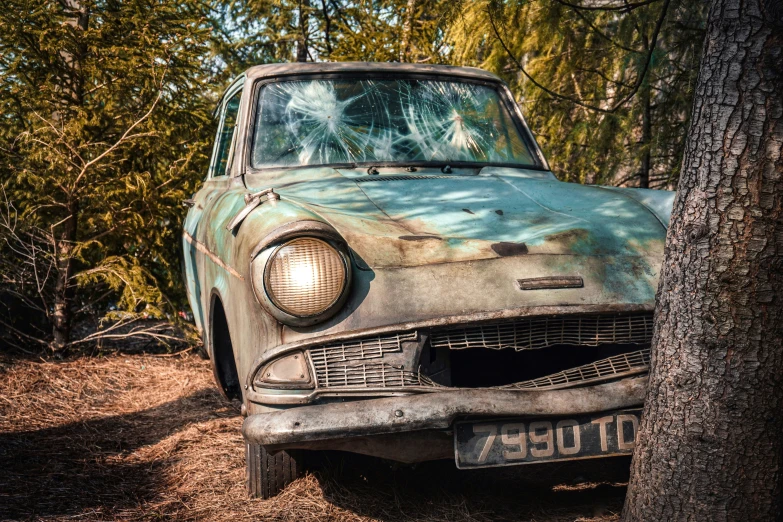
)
(504, 249)
(420, 238)
(568, 236)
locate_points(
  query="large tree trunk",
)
(711, 439)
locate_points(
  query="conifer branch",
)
(627, 7)
(576, 101)
(597, 31)
(125, 136)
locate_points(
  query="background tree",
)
(607, 87)
(104, 123)
(250, 32)
(711, 438)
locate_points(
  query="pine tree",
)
(607, 89)
(105, 121)
(250, 32)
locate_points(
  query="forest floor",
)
(148, 437)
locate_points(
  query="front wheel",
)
(268, 475)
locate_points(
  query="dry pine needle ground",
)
(144, 437)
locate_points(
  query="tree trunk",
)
(77, 15)
(63, 290)
(711, 439)
(644, 173)
(407, 32)
(301, 44)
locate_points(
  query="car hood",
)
(398, 219)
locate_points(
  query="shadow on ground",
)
(77, 467)
(140, 438)
(379, 489)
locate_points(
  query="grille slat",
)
(540, 332)
(611, 367)
(341, 364)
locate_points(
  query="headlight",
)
(289, 371)
(305, 278)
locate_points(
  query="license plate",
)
(509, 442)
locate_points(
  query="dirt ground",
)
(146, 437)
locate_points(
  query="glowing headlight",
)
(305, 277)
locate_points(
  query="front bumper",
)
(370, 426)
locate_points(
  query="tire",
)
(268, 475)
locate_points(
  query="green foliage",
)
(249, 32)
(105, 113)
(594, 83)
(106, 117)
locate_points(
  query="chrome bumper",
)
(310, 426)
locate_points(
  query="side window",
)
(225, 135)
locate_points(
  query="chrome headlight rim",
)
(259, 269)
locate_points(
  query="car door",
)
(195, 228)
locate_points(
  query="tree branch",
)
(576, 101)
(625, 7)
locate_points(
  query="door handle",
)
(189, 202)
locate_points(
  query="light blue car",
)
(381, 262)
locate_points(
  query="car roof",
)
(274, 70)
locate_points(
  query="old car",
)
(381, 262)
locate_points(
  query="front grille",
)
(621, 365)
(358, 349)
(354, 363)
(540, 332)
(370, 375)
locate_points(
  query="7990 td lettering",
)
(509, 442)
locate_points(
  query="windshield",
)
(323, 122)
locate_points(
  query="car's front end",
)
(538, 342)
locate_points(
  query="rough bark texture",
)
(711, 438)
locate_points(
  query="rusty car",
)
(381, 261)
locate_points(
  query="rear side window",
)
(226, 135)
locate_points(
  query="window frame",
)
(504, 95)
(235, 89)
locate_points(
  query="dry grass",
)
(146, 438)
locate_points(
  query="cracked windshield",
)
(322, 122)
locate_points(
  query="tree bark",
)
(711, 439)
(407, 32)
(77, 15)
(301, 43)
(63, 290)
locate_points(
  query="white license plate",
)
(508, 442)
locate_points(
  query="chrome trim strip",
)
(215, 259)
